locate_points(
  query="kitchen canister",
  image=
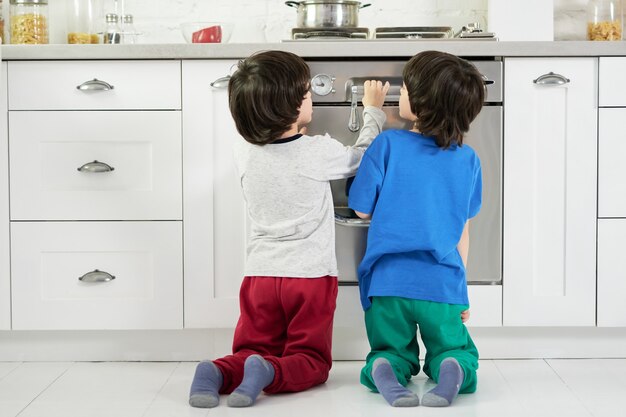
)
(28, 21)
(604, 20)
(81, 21)
(1, 23)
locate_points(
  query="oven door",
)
(485, 137)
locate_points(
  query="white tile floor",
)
(507, 388)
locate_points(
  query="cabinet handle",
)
(95, 166)
(96, 276)
(350, 222)
(95, 85)
(551, 79)
(221, 82)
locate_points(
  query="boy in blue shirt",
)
(420, 187)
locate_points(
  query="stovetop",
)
(470, 32)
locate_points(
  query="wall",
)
(270, 20)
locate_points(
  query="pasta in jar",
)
(29, 22)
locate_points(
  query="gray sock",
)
(207, 381)
(450, 380)
(257, 374)
(389, 387)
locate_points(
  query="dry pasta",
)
(604, 31)
(29, 28)
(82, 38)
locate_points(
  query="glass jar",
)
(1, 24)
(81, 21)
(29, 21)
(604, 20)
(128, 29)
(113, 32)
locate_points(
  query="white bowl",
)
(206, 32)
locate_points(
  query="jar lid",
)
(28, 1)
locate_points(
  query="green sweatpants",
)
(391, 324)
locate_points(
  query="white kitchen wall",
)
(270, 20)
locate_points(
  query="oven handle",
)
(350, 222)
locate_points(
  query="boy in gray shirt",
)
(282, 342)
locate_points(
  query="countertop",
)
(313, 49)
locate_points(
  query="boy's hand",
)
(465, 315)
(374, 93)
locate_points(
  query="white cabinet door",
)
(550, 161)
(611, 169)
(143, 149)
(611, 272)
(104, 85)
(213, 206)
(5, 277)
(145, 259)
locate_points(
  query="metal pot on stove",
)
(327, 13)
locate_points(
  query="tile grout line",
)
(567, 386)
(12, 370)
(45, 389)
(508, 384)
(160, 389)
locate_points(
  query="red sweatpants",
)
(289, 322)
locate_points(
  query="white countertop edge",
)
(313, 49)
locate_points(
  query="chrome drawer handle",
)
(95, 166)
(221, 82)
(95, 85)
(96, 276)
(551, 79)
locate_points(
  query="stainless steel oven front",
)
(337, 110)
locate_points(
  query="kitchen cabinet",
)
(550, 176)
(5, 277)
(96, 192)
(611, 196)
(611, 273)
(612, 143)
(214, 211)
(143, 257)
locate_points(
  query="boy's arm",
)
(463, 248)
(374, 93)
(463, 245)
(363, 215)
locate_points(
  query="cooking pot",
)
(327, 13)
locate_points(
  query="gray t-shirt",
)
(289, 201)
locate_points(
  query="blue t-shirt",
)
(420, 197)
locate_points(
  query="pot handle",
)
(295, 4)
(361, 6)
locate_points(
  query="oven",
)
(337, 90)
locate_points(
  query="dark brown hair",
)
(265, 94)
(445, 92)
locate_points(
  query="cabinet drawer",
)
(48, 258)
(612, 80)
(611, 273)
(143, 148)
(52, 85)
(611, 167)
